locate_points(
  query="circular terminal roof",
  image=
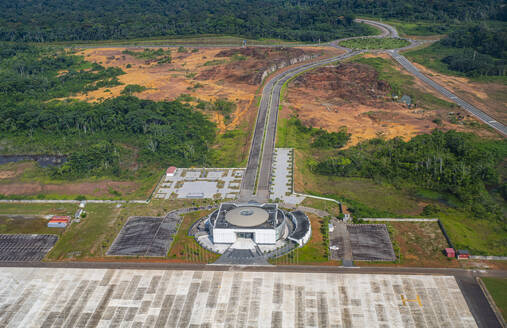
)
(247, 216)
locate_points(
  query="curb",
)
(491, 302)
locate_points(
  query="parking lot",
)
(49, 297)
(370, 242)
(25, 247)
(281, 177)
(201, 183)
(361, 242)
(145, 236)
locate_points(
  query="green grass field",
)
(374, 43)
(231, 148)
(432, 55)
(315, 251)
(497, 287)
(223, 40)
(38, 209)
(16, 225)
(185, 248)
(92, 237)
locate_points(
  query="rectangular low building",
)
(59, 222)
(449, 252)
(261, 223)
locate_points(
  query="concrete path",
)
(340, 233)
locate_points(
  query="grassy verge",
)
(27, 226)
(315, 251)
(325, 205)
(374, 43)
(38, 209)
(497, 287)
(178, 40)
(92, 237)
(185, 248)
(231, 148)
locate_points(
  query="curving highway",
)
(448, 94)
(255, 185)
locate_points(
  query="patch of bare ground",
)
(488, 97)
(98, 189)
(204, 73)
(13, 170)
(352, 95)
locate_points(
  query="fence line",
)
(400, 219)
(488, 258)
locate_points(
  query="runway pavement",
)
(195, 298)
(472, 293)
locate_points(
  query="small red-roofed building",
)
(170, 171)
(58, 221)
(463, 254)
(449, 252)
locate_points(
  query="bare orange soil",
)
(352, 95)
(488, 97)
(205, 73)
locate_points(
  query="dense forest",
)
(478, 50)
(92, 133)
(460, 165)
(304, 20)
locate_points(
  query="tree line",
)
(451, 163)
(303, 20)
(92, 134)
(479, 50)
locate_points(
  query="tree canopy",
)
(452, 163)
(30, 79)
(305, 20)
(480, 50)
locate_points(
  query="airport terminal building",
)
(265, 224)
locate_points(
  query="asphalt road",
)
(264, 179)
(448, 94)
(261, 156)
(261, 152)
(260, 162)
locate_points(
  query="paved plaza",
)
(201, 183)
(281, 177)
(40, 297)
